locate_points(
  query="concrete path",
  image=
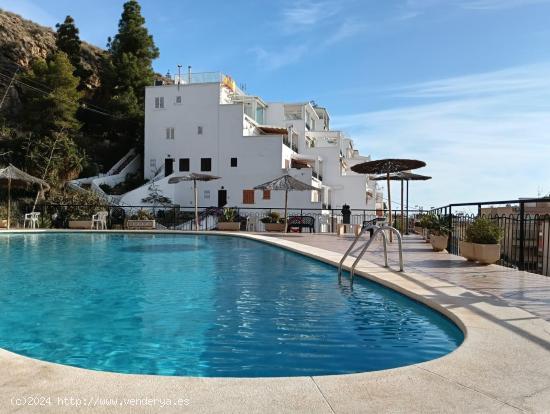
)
(526, 290)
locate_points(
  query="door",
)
(168, 166)
(222, 198)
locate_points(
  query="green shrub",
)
(142, 215)
(427, 221)
(483, 231)
(272, 217)
(229, 215)
(439, 226)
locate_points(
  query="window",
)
(206, 164)
(169, 133)
(248, 196)
(199, 130)
(159, 102)
(178, 99)
(184, 164)
(207, 194)
(233, 162)
(267, 195)
(153, 163)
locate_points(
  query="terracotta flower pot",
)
(487, 253)
(280, 227)
(439, 243)
(229, 226)
(467, 250)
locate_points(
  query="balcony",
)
(289, 144)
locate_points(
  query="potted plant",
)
(418, 224)
(273, 222)
(482, 241)
(439, 229)
(141, 220)
(427, 221)
(229, 221)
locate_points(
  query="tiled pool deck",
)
(525, 290)
(502, 366)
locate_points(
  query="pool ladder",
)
(377, 229)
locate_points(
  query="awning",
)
(272, 130)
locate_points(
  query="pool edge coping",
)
(438, 295)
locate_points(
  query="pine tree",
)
(55, 111)
(126, 70)
(68, 41)
(51, 119)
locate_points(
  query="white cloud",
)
(488, 137)
(305, 14)
(472, 4)
(276, 59)
(499, 4)
(348, 28)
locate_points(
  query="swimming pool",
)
(205, 306)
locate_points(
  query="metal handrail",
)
(346, 254)
(379, 229)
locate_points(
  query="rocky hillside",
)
(22, 41)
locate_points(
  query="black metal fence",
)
(525, 226)
(182, 218)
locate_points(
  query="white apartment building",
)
(206, 124)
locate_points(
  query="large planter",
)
(439, 243)
(280, 227)
(140, 224)
(487, 253)
(229, 226)
(80, 224)
(467, 250)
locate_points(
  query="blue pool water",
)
(206, 306)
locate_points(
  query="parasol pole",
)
(9, 202)
(196, 205)
(286, 207)
(402, 218)
(407, 232)
(389, 202)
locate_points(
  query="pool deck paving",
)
(502, 366)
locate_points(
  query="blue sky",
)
(461, 84)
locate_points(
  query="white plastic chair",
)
(32, 219)
(252, 223)
(99, 220)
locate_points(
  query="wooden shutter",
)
(267, 194)
(248, 196)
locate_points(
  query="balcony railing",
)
(289, 144)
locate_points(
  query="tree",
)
(46, 113)
(50, 149)
(126, 71)
(68, 41)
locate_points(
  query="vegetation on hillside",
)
(65, 127)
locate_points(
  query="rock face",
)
(22, 41)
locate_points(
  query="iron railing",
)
(182, 218)
(525, 243)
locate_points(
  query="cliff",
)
(22, 41)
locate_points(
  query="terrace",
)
(502, 365)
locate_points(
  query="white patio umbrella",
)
(194, 177)
(12, 176)
(286, 183)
